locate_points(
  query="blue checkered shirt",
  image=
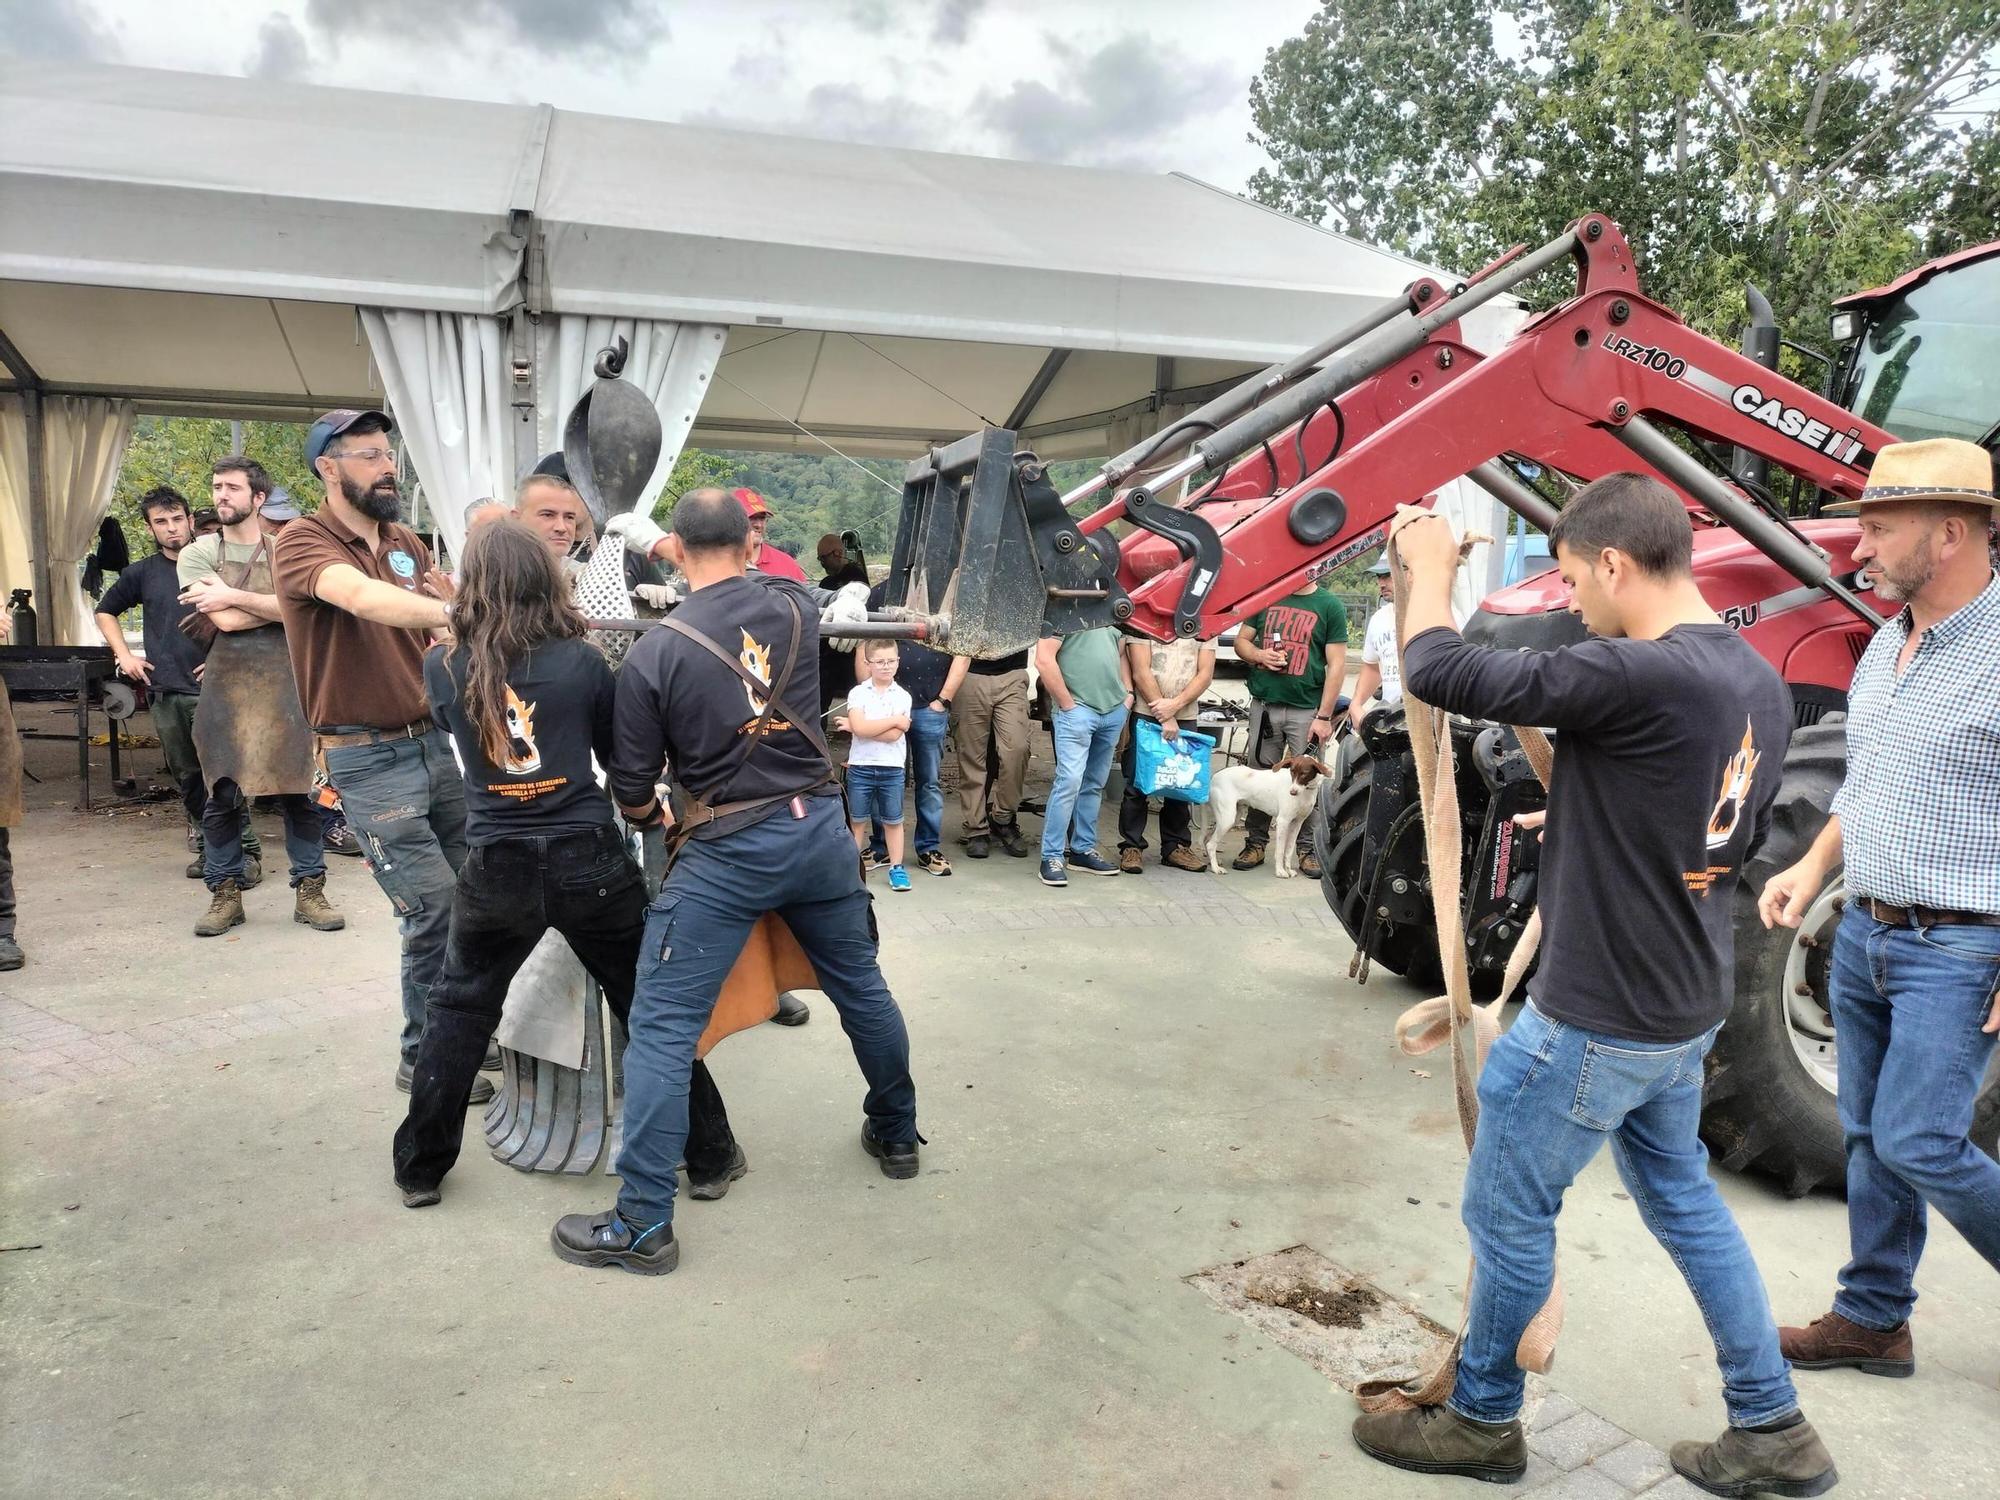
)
(1920, 810)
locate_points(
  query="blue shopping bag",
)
(1176, 768)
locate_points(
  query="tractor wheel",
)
(1340, 824)
(1769, 1102)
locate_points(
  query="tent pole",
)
(38, 506)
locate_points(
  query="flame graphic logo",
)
(756, 659)
(524, 756)
(1736, 778)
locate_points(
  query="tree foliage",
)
(1808, 146)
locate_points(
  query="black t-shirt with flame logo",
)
(678, 706)
(1668, 757)
(558, 711)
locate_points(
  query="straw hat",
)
(1936, 469)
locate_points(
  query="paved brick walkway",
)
(40, 1051)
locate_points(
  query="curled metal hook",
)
(611, 360)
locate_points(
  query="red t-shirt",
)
(779, 564)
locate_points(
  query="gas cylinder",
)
(23, 617)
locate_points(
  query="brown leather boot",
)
(1741, 1462)
(311, 907)
(1834, 1343)
(225, 910)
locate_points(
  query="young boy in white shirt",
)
(878, 716)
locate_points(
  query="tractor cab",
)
(1921, 356)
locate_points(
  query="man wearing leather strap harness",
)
(765, 832)
(1915, 982)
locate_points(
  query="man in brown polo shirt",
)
(350, 584)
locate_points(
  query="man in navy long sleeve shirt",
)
(1672, 736)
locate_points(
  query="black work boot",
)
(1008, 837)
(607, 1240)
(1791, 1461)
(979, 846)
(1437, 1440)
(709, 1186)
(898, 1158)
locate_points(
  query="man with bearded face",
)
(249, 735)
(1915, 979)
(350, 583)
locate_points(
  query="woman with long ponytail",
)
(528, 700)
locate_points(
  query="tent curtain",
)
(83, 444)
(15, 572)
(671, 362)
(445, 375)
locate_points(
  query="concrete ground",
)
(1123, 1084)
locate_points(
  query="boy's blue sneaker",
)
(899, 878)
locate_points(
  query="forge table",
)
(72, 675)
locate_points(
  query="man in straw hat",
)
(1673, 734)
(1915, 982)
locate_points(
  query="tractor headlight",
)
(1846, 327)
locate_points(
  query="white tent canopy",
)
(204, 244)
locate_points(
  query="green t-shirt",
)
(1303, 625)
(1089, 662)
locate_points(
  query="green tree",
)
(1808, 146)
(177, 451)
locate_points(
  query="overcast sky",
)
(1154, 85)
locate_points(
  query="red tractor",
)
(1309, 460)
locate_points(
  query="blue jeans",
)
(226, 818)
(405, 802)
(1908, 1003)
(1550, 1097)
(875, 793)
(1085, 739)
(928, 727)
(806, 872)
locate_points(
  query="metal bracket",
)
(1193, 538)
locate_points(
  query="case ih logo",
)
(1667, 363)
(1842, 447)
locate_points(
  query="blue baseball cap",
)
(279, 506)
(332, 424)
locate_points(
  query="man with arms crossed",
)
(1915, 982)
(1673, 735)
(358, 622)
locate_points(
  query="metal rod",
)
(1504, 485)
(1794, 554)
(1376, 353)
(931, 629)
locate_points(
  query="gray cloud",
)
(954, 21)
(839, 112)
(1109, 105)
(627, 29)
(767, 70)
(55, 31)
(281, 49)
(871, 17)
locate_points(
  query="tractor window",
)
(1929, 364)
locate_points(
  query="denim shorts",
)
(875, 792)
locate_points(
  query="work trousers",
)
(1908, 1003)
(6, 887)
(1552, 1096)
(510, 892)
(1276, 730)
(989, 785)
(1176, 817)
(405, 802)
(224, 817)
(803, 869)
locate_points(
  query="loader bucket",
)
(985, 543)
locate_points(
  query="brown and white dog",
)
(1285, 791)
